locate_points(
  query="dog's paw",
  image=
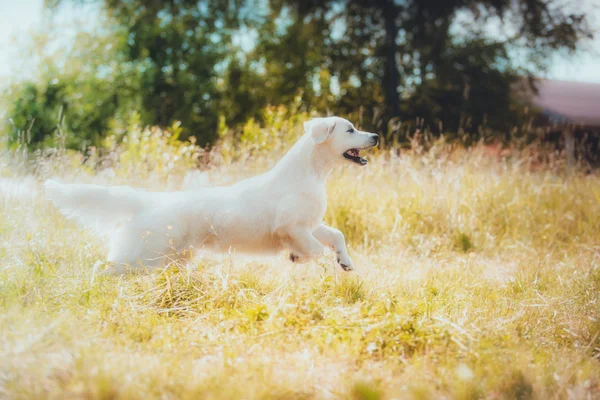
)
(345, 262)
(347, 267)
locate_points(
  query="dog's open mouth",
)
(354, 156)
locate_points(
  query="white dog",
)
(280, 209)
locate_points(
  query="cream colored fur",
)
(281, 209)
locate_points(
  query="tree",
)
(180, 45)
(409, 48)
(374, 60)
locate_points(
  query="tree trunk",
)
(392, 79)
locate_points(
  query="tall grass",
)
(477, 277)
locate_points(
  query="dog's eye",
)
(351, 130)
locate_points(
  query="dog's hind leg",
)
(131, 252)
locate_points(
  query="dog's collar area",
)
(354, 156)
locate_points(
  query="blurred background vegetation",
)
(203, 68)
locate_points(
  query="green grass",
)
(474, 280)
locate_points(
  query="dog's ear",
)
(319, 129)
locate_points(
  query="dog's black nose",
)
(375, 139)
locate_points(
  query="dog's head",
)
(340, 138)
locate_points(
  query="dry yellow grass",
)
(475, 279)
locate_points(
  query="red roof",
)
(574, 102)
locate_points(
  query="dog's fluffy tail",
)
(98, 207)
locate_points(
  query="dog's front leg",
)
(303, 245)
(334, 239)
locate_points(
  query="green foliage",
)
(472, 92)
(178, 45)
(153, 152)
(280, 128)
(78, 96)
(36, 111)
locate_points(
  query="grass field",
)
(476, 278)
